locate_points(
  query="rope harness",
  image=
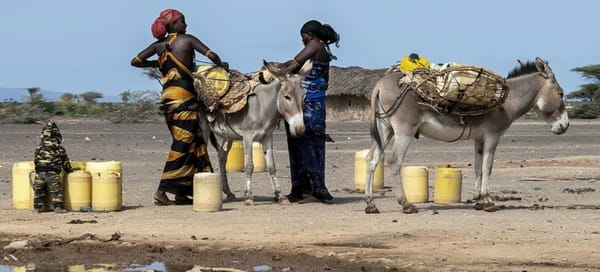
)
(404, 90)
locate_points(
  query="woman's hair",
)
(324, 32)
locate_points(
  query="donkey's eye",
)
(287, 97)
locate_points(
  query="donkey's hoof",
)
(490, 207)
(486, 206)
(402, 201)
(371, 209)
(230, 198)
(284, 201)
(409, 208)
(249, 202)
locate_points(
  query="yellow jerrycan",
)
(235, 158)
(360, 172)
(208, 188)
(78, 165)
(258, 157)
(106, 185)
(23, 174)
(415, 181)
(218, 77)
(448, 185)
(78, 190)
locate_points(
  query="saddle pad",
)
(235, 99)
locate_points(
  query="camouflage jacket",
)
(51, 156)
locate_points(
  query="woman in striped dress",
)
(179, 103)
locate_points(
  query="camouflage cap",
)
(51, 131)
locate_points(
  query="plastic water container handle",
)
(30, 179)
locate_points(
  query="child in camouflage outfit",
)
(50, 159)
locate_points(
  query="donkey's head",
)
(290, 97)
(550, 104)
(537, 88)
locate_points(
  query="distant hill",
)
(21, 94)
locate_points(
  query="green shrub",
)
(589, 110)
(133, 113)
(21, 113)
(142, 108)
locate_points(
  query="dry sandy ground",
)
(550, 220)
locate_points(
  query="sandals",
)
(295, 197)
(162, 200)
(324, 197)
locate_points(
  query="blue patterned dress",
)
(307, 152)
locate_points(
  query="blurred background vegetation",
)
(135, 107)
(585, 102)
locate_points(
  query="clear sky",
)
(86, 45)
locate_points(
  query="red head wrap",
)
(167, 17)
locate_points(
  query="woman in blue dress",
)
(307, 152)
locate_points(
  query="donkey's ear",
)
(273, 68)
(305, 68)
(269, 64)
(542, 66)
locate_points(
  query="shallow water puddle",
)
(156, 266)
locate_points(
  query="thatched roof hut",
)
(353, 80)
(349, 92)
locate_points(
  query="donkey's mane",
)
(528, 68)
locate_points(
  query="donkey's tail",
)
(375, 118)
(213, 141)
(207, 133)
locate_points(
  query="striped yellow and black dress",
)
(180, 106)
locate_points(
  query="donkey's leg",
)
(222, 156)
(401, 144)
(373, 157)
(477, 168)
(486, 202)
(267, 144)
(221, 153)
(249, 169)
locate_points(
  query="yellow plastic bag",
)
(407, 64)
